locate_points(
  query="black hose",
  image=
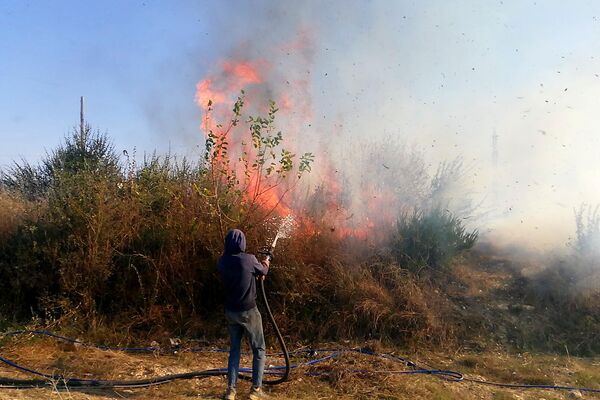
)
(58, 381)
(284, 350)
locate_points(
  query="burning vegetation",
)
(95, 237)
(410, 162)
(378, 248)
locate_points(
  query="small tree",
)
(247, 181)
(83, 150)
(66, 247)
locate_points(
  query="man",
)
(239, 271)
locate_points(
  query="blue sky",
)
(442, 75)
(137, 62)
(125, 57)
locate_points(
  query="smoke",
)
(383, 92)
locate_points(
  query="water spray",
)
(285, 229)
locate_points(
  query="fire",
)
(286, 103)
(205, 93)
(244, 73)
(274, 201)
(233, 77)
(220, 91)
(329, 207)
(215, 95)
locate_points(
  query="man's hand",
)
(266, 262)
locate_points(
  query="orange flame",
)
(221, 91)
(216, 94)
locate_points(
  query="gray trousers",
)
(250, 323)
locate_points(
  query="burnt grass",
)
(517, 306)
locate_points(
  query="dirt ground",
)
(337, 378)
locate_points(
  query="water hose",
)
(55, 382)
(286, 355)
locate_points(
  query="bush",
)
(321, 291)
(136, 246)
(139, 243)
(430, 239)
(12, 212)
(63, 249)
(29, 181)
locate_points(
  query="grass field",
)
(337, 379)
(488, 354)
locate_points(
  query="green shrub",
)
(430, 238)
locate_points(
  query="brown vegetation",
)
(95, 246)
(125, 252)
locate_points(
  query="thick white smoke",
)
(377, 82)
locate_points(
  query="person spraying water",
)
(239, 271)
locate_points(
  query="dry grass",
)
(339, 382)
(478, 282)
(12, 211)
(339, 300)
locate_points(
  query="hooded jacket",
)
(238, 271)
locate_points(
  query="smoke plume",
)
(385, 92)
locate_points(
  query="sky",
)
(444, 76)
(133, 61)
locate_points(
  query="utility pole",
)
(81, 119)
(81, 124)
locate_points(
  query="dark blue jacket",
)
(238, 271)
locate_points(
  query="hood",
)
(235, 242)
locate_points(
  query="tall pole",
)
(81, 119)
(81, 137)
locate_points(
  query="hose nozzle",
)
(268, 253)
